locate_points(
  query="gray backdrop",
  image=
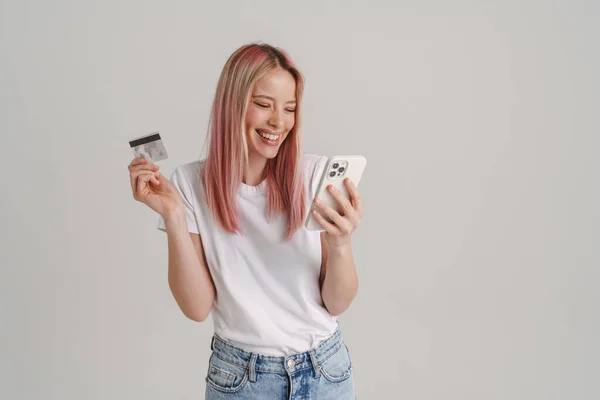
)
(478, 254)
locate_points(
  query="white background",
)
(478, 253)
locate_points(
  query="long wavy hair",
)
(227, 159)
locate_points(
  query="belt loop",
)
(315, 363)
(252, 367)
(212, 343)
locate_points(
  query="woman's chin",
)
(269, 154)
(266, 151)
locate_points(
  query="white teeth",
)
(266, 136)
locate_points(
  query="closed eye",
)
(292, 110)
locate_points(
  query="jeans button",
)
(291, 363)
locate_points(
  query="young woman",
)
(238, 246)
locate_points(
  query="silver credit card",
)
(149, 147)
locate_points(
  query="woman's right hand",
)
(151, 187)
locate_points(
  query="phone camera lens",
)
(335, 165)
(332, 174)
(342, 169)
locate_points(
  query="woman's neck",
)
(256, 170)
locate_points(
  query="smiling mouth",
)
(268, 138)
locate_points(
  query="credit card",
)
(149, 147)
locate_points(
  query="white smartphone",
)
(336, 170)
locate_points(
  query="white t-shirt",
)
(268, 299)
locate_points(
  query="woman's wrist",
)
(175, 214)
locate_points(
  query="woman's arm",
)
(339, 281)
(189, 278)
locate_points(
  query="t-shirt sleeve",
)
(320, 162)
(184, 187)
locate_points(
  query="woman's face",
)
(271, 112)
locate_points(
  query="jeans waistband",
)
(294, 362)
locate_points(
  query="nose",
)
(276, 120)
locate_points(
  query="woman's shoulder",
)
(313, 168)
(191, 167)
(313, 161)
(188, 173)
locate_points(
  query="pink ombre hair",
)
(228, 151)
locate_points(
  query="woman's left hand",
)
(339, 233)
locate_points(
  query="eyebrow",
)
(272, 99)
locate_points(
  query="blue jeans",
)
(323, 373)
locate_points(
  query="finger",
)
(342, 200)
(143, 165)
(141, 178)
(140, 182)
(143, 181)
(356, 199)
(136, 170)
(342, 223)
(161, 178)
(155, 179)
(150, 163)
(133, 178)
(330, 228)
(137, 160)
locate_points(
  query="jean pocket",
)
(338, 367)
(224, 376)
